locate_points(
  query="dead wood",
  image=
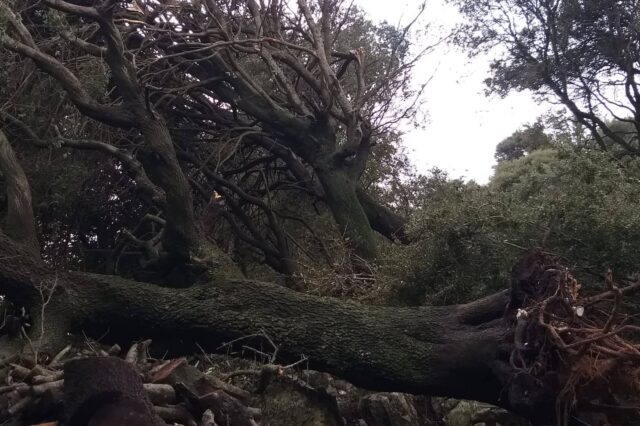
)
(106, 391)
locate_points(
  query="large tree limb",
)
(382, 219)
(429, 350)
(473, 351)
(84, 11)
(21, 225)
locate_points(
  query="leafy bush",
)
(580, 206)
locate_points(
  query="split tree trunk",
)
(342, 198)
(383, 220)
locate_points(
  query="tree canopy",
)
(252, 106)
(583, 54)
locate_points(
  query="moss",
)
(348, 212)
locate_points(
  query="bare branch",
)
(18, 26)
(132, 165)
(90, 48)
(329, 76)
(84, 102)
(84, 11)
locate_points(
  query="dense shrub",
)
(580, 206)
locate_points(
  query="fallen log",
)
(468, 351)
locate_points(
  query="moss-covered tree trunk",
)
(341, 196)
(382, 219)
(459, 351)
(179, 238)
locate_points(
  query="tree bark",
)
(104, 391)
(21, 225)
(382, 219)
(179, 238)
(452, 351)
(342, 199)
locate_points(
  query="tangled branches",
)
(582, 349)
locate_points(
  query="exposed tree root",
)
(583, 349)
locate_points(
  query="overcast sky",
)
(463, 125)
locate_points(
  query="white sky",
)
(463, 125)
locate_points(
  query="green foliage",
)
(55, 20)
(3, 21)
(456, 255)
(523, 142)
(583, 54)
(93, 75)
(389, 171)
(580, 206)
(586, 201)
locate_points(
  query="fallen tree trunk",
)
(429, 350)
(474, 351)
